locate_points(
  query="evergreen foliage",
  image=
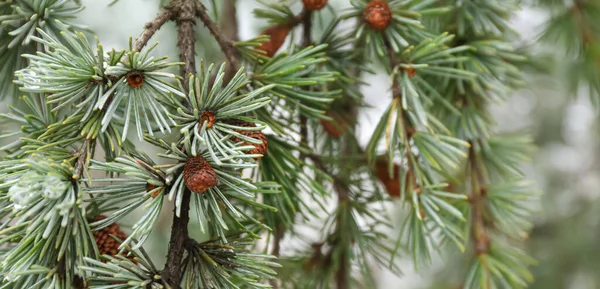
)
(433, 153)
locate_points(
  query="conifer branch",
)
(185, 19)
(408, 130)
(225, 44)
(152, 27)
(587, 35)
(229, 21)
(476, 199)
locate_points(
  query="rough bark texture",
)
(185, 14)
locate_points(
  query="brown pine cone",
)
(392, 185)
(314, 5)
(278, 33)
(199, 175)
(255, 134)
(107, 245)
(377, 15)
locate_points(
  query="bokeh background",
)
(564, 124)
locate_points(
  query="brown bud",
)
(150, 188)
(107, 245)
(411, 72)
(278, 33)
(377, 15)
(314, 5)
(209, 117)
(255, 134)
(135, 79)
(199, 175)
(392, 185)
(422, 214)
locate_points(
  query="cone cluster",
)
(377, 15)
(198, 175)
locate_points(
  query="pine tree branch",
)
(587, 35)
(229, 30)
(408, 129)
(476, 199)
(82, 159)
(153, 26)
(306, 18)
(229, 21)
(225, 44)
(185, 18)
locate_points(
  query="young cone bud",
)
(278, 33)
(199, 175)
(392, 185)
(135, 79)
(314, 5)
(150, 188)
(107, 245)
(255, 134)
(377, 15)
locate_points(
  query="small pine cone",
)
(377, 15)
(392, 185)
(314, 5)
(255, 134)
(107, 245)
(278, 33)
(199, 175)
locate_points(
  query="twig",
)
(229, 30)
(587, 35)
(185, 18)
(226, 45)
(476, 198)
(278, 235)
(408, 129)
(229, 22)
(306, 17)
(153, 26)
(82, 157)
